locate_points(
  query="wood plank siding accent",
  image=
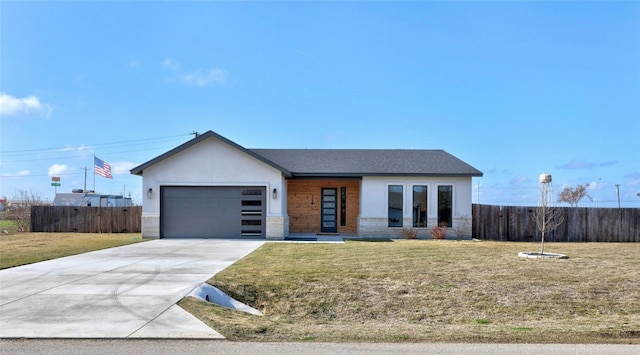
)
(303, 199)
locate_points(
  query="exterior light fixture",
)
(275, 194)
(149, 193)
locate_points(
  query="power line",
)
(88, 154)
(29, 151)
(19, 176)
(75, 152)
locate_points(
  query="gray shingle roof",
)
(342, 162)
(362, 162)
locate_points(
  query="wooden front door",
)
(329, 210)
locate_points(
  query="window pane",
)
(329, 192)
(419, 206)
(445, 197)
(343, 206)
(395, 205)
(251, 222)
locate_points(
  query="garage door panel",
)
(212, 211)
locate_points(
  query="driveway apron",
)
(123, 292)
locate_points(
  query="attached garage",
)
(212, 212)
(211, 187)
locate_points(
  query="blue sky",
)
(513, 88)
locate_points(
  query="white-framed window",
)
(420, 203)
(445, 205)
(395, 198)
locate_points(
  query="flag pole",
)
(94, 173)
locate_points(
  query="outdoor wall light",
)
(275, 194)
(149, 193)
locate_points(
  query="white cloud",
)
(170, 64)
(31, 105)
(81, 151)
(202, 78)
(633, 175)
(135, 63)
(634, 180)
(581, 164)
(198, 78)
(57, 169)
(20, 173)
(520, 179)
(122, 167)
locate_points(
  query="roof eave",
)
(140, 168)
(319, 174)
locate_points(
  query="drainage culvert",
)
(208, 293)
(534, 255)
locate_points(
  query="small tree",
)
(573, 195)
(547, 217)
(20, 208)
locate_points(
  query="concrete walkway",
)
(124, 292)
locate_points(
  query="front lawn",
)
(26, 248)
(431, 291)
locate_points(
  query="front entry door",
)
(329, 211)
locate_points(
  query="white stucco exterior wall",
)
(213, 162)
(373, 219)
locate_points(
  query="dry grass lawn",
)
(433, 291)
(26, 248)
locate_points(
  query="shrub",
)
(409, 233)
(438, 232)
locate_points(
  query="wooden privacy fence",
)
(86, 219)
(580, 224)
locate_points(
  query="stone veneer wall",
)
(151, 227)
(277, 227)
(378, 228)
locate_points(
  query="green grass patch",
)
(408, 291)
(4, 223)
(26, 248)
(7, 225)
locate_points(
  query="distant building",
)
(90, 199)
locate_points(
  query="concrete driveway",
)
(123, 292)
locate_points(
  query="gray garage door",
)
(212, 211)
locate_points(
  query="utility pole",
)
(85, 179)
(618, 192)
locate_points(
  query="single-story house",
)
(211, 187)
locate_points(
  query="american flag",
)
(101, 168)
